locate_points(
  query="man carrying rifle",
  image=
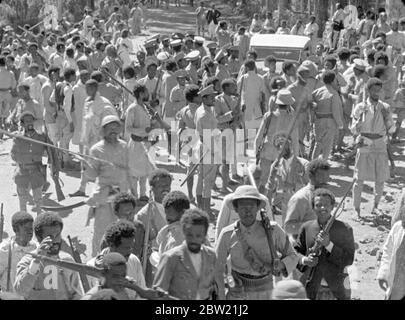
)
(29, 173)
(253, 258)
(110, 171)
(274, 122)
(37, 280)
(323, 268)
(12, 250)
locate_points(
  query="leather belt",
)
(29, 165)
(372, 136)
(324, 115)
(254, 283)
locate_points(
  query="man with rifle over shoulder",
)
(326, 248)
(29, 173)
(258, 250)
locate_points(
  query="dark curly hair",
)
(118, 230)
(176, 199)
(121, 198)
(317, 164)
(19, 218)
(47, 219)
(194, 217)
(158, 174)
(322, 192)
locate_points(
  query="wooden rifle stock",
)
(54, 170)
(76, 257)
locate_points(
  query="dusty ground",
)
(368, 236)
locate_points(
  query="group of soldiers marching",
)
(276, 235)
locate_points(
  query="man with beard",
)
(29, 173)
(112, 177)
(188, 270)
(247, 247)
(38, 280)
(299, 208)
(12, 250)
(326, 278)
(139, 124)
(160, 182)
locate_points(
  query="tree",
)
(321, 12)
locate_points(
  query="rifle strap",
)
(249, 254)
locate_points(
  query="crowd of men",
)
(276, 236)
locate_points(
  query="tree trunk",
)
(321, 13)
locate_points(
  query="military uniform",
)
(29, 173)
(250, 259)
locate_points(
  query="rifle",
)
(281, 152)
(276, 262)
(55, 170)
(147, 232)
(99, 273)
(266, 130)
(239, 109)
(316, 248)
(1, 223)
(76, 257)
(38, 53)
(194, 168)
(154, 102)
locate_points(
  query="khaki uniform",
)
(328, 118)
(248, 250)
(29, 172)
(205, 120)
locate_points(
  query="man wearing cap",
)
(303, 97)
(111, 178)
(194, 61)
(26, 103)
(207, 129)
(188, 45)
(177, 98)
(7, 83)
(275, 121)
(150, 47)
(372, 122)
(181, 61)
(153, 82)
(245, 243)
(212, 48)
(357, 81)
(29, 172)
(176, 45)
(95, 108)
(165, 39)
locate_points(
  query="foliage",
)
(20, 12)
